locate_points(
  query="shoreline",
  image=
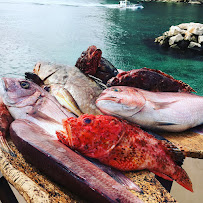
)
(198, 2)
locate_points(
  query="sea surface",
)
(59, 30)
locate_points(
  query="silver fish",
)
(83, 89)
(167, 111)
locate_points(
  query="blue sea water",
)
(59, 30)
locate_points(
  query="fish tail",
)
(182, 178)
(180, 175)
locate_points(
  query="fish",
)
(122, 145)
(26, 100)
(37, 112)
(149, 79)
(5, 121)
(83, 89)
(162, 111)
(62, 95)
(92, 63)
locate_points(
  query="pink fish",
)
(170, 111)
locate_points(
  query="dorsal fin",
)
(175, 153)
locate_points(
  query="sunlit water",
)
(59, 30)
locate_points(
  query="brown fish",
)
(83, 89)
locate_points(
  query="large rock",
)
(183, 36)
(175, 39)
(194, 46)
(200, 39)
(174, 30)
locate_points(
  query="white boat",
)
(127, 4)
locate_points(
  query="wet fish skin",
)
(166, 111)
(91, 63)
(83, 89)
(42, 115)
(64, 97)
(67, 167)
(122, 145)
(149, 79)
(26, 100)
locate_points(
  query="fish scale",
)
(168, 111)
(83, 90)
(133, 149)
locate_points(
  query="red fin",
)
(183, 179)
(162, 175)
(62, 137)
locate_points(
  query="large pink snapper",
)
(155, 110)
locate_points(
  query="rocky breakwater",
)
(184, 36)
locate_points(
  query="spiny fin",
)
(175, 153)
(181, 83)
(34, 78)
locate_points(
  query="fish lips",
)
(2, 87)
(3, 92)
(113, 106)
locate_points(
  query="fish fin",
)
(162, 105)
(183, 179)
(98, 81)
(34, 78)
(162, 175)
(41, 116)
(117, 176)
(180, 177)
(61, 135)
(66, 100)
(175, 153)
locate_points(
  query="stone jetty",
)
(183, 36)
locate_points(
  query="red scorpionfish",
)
(122, 145)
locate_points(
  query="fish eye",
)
(87, 120)
(25, 84)
(116, 89)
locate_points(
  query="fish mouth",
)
(3, 87)
(3, 91)
(109, 98)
